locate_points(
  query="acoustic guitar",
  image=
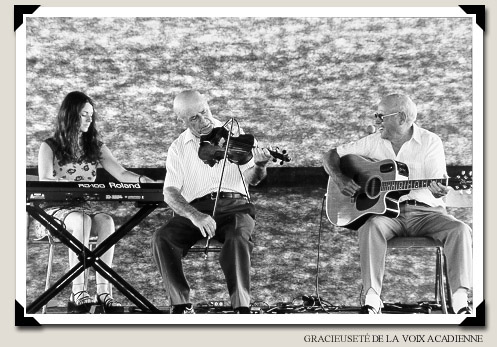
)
(382, 184)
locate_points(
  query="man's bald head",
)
(188, 103)
(400, 103)
(191, 107)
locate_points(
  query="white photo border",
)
(249, 12)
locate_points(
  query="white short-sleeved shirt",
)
(192, 177)
(423, 154)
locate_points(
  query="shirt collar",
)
(189, 136)
(416, 136)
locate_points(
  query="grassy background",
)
(305, 84)
(284, 263)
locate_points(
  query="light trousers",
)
(432, 222)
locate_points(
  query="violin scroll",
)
(282, 156)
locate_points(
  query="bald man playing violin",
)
(190, 189)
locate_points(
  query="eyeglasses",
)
(381, 116)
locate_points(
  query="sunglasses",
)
(381, 116)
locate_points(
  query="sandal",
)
(80, 302)
(108, 303)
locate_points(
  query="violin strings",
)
(236, 145)
(240, 148)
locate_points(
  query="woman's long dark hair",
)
(67, 131)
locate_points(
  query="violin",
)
(213, 148)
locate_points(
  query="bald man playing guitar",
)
(399, 149)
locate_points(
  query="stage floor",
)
(281, 308)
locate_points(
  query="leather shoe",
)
(182, 309)
(465, 310)
(367, 309)
(242, 310)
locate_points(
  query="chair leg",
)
(449, 289)
(49, 270)
(87, 270)
(27, 236)
(440, 279)
(437, 276)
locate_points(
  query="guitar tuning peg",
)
(281, 162)
(274, 160)
(284, 151)
(471, 174)
(463, 172)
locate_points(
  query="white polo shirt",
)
(192, 177)
(423, 154)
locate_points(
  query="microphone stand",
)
(206, 250)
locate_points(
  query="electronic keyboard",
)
(90, 191)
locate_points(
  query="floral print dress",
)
(79, 170)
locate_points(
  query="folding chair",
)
(214, 247)
(453, 199)
(440, 263)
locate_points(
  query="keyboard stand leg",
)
(91, 258)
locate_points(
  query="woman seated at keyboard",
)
(72, 154)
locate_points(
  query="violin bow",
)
(207, 243)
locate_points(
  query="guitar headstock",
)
(463, 181)
(277, 155)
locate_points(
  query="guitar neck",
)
(410, 184)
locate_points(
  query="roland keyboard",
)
(90, 191)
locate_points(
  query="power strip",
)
(213, 304)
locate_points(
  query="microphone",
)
(371, 129)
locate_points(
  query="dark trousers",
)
(235, 224)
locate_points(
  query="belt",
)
(414, 203)
(222, 195)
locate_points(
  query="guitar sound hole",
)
(373, 187)
(386, 168)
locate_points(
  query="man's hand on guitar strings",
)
(347, 185)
